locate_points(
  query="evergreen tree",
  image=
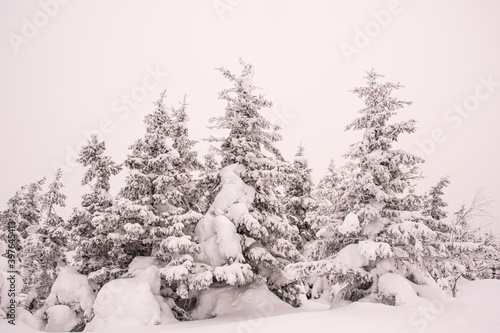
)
(298, 199)
(377, 212)
(322, 215)
(434, 202)
(92, 224)
(43, 250)
(253, 171)
(156, 207)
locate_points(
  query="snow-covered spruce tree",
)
(322, 215)
(298, 200)
(23, 209)
(42, 251)
(377, 209)
(245, 235)
(96, 254)
(156, 213)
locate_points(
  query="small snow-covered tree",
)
(95, 252)
(298, 200)
(42, 251)
(24, 210)
(473, 253)
(322, 216)
(248, 212)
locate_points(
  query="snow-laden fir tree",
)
(298, 199)
(155, 205)
(375, 206)
(43, 250)
(95, 253)
(322, 215)
(23, 209)
(245, 235)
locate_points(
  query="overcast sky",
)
(74, 67)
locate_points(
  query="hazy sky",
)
(74, 67)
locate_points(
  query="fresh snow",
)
(474, 310)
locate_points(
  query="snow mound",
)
(395, 290)
(132, 302)
(73, 289)
(254, 298)
(350, 225)
(61, 318)
(216, 231)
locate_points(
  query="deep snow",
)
(474, 310)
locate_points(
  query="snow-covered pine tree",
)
(156, 207)
(322, 215)
(96, 253)
(298, 200)
(245, 235)
(43, 250)
(23, 209)
(375, 204)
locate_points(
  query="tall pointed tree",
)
(298, 200)
(42, 251)
(156, 206)
(248, 212)
(95, 253)
(377, 210)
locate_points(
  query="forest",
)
(185, 231)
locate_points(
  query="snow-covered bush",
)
(130, 302)
(69, 304)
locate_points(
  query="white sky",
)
(70, 74)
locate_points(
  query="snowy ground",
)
(475, 310)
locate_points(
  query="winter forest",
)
(192, 238)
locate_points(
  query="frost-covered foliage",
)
(469, 251)
(90, 224)
(157, 207)
(298, 200)
(42, 251)
(375, 205)
(24, 210)
(248, 211)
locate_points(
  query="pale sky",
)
(71, 67)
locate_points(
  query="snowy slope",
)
(475, 310)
